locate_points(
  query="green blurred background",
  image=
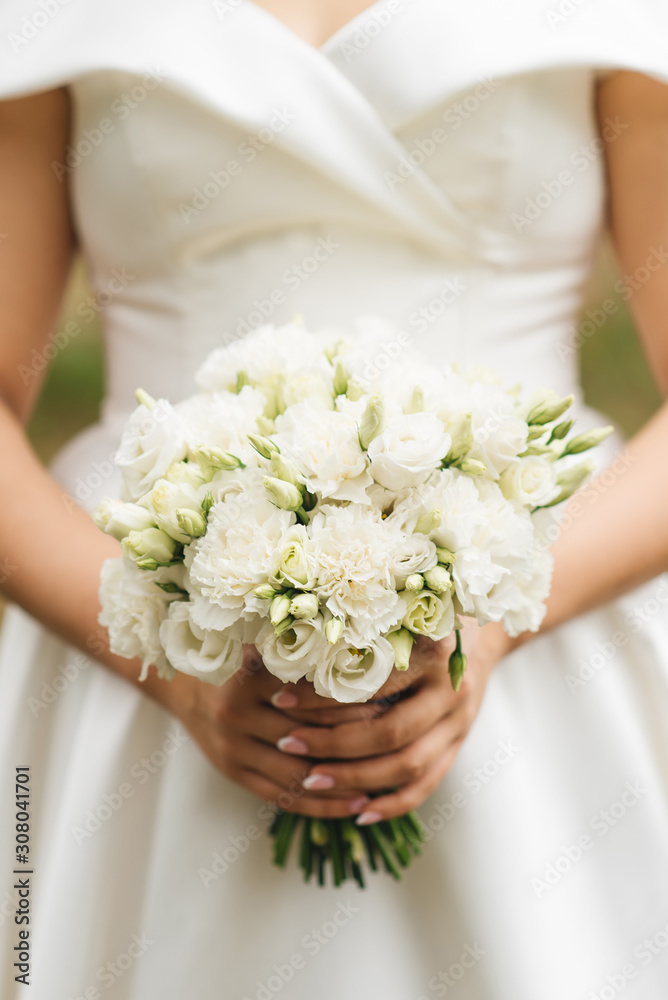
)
(614, 372)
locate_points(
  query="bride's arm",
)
(50, 550)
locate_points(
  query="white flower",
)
(152, 440)
(414, 553)
(263, 357)
(523, 593)
(134, 607)
(118, 519)
(499, 433)
(293, 562)
(223, 420)
(325, 446)
(429, 614)
(349, 674)
(164, 503)
(531, 480)
(455, 497)
(211, 656)
(354, 551)
(314, 386)
(299, 649)
(234, 556)
(408, 450)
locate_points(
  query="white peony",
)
(133, 609)
(350, 674)
(354, 551)
(408, 450)
(211, 656)
(234, 556)
(152, 440)
(531, 481)
(299, 649)
(325, 445)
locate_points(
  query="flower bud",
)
(354, 391)
(549, 409)
(414, 583)
(282, 494)
(459, 429)
(185, 473)
(340, 379)
(416, 404)
(242, 380)
(191, 522)
(456, 668)
(283, 468)
(570, 481)
(284, 626)
(265, 592)
(144, 399)
(265, 425)
(213, 460)
(428, 522)
(279, 609)
(437, 579)
(304, 606)
(472, 467)
(373, 420)
(560, 431)
(264, 446)
(152, 543)
(118, 519)
(333, 630)
(444, 555)
(583, 442)
(537, 431)
(401, 642)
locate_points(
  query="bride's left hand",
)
(411, 744)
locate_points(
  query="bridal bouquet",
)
(329, 506)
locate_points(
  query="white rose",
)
(134, 607)
(414, 554)
(299, 649)
(325, 446)
(408, 450)
(354, 551)
(234, 557)
(209, 655)
(429, 614)
(350, 674)
(118, 519)
(293, 562)
(164, 503)
(499, 433)
(152, 440)
(531, 480)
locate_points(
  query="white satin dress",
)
(437, 164)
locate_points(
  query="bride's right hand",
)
(237, 727)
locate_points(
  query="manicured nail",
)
(290, 745)
(358, 804)
(318, 781)
(284, 699)
(368, 817)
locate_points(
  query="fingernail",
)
(284, 699)
(368, 817)
(358, 804)
(290, 745)
(319, 781)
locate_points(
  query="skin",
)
(408, 742)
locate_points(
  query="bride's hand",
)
(238, 727)
(411, 745)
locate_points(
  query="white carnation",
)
(133, 609)
(354, 550)
(325, 445)
(223, 420)
(499, 433)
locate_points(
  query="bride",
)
(447, 167)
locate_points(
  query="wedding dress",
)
(435, 164)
